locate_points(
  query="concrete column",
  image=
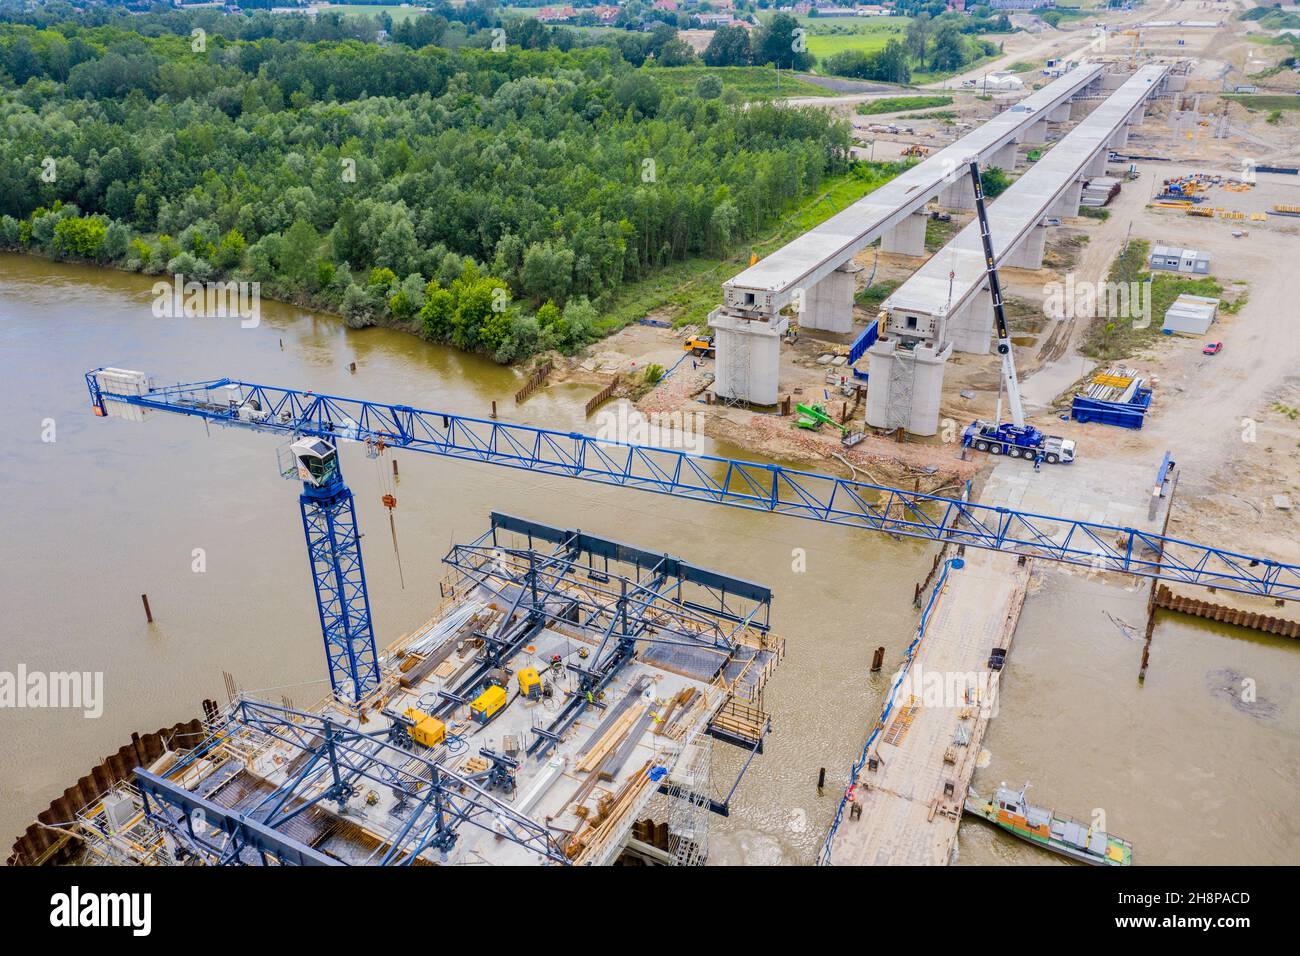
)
(1120, 139)
(907, 238)
(1175, 83)
(1029, 254)
(748, 363)
(906, 386)
(1068, 203)
(1139, 116)
(1060, 113)
(828, 305)
(958, 195)
(1097, 164)
(1080, 108)
(970, 327)
(1037, 133)
(1004, 157)
(1113, 81)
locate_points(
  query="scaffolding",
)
(689, 802)
(639, 660)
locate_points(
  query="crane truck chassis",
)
(1029, 443)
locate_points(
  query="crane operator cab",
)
(311, 460)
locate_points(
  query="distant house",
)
(668, 5)
(605, 13)
(1022, 4)
(716, 19)
(556, 14)
(829, 10)
(875, 10)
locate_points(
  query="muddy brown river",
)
(108, 510)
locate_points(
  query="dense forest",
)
(492, 197)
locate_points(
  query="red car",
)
(1213, 348)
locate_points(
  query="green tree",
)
(729, 46)
(782, 43)
(298, 254)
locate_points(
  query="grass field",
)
(826, 38)
(685, 292)
(893, 104)
(1263, 101)
(752, 82)
(398, 13)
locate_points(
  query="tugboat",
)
(1009, 811)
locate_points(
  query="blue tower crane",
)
(329, 520)
(316, 422)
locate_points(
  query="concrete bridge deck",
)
(945, 307)
(771, 283)
(1051, 186)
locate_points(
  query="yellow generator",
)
(428, 731)
(486, 704)
(530, 683)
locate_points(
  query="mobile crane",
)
(1015, 438)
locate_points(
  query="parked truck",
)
(1015, 442)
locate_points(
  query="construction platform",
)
(563, 683)
(905, 806)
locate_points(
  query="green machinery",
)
(814, 416)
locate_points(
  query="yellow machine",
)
(428, 731)
(486, 704)
(530, 683)
(916, 151)
(700, 345)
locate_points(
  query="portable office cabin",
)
(1190, 315)
(1174, 259)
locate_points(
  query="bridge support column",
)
(748, 363)
(1004, 157)
(970, 327)
(828, 305)
(1120, 139)
(1139, 116)
(1060, 113)
(907, 238)
(1097, 164)
(1114, 80)
(1175, 83)
(1080, 108)
(959, 194)
(1068, 203)
(1029, 254)
(906, 386)
(1036, 133)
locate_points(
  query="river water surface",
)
(112, 509)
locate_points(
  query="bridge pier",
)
(1080, 108)
(1069, 201)
(1097, 164)
(1029, 253)
(1120, 139)
(1113, 81)
(959, 194)
(1138, 116)
(907, 238)
(748, 363)
(906, 385)
(970, 326)
(828, 305)
(1004, 157)
(1037, 133)
(1061, 113)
